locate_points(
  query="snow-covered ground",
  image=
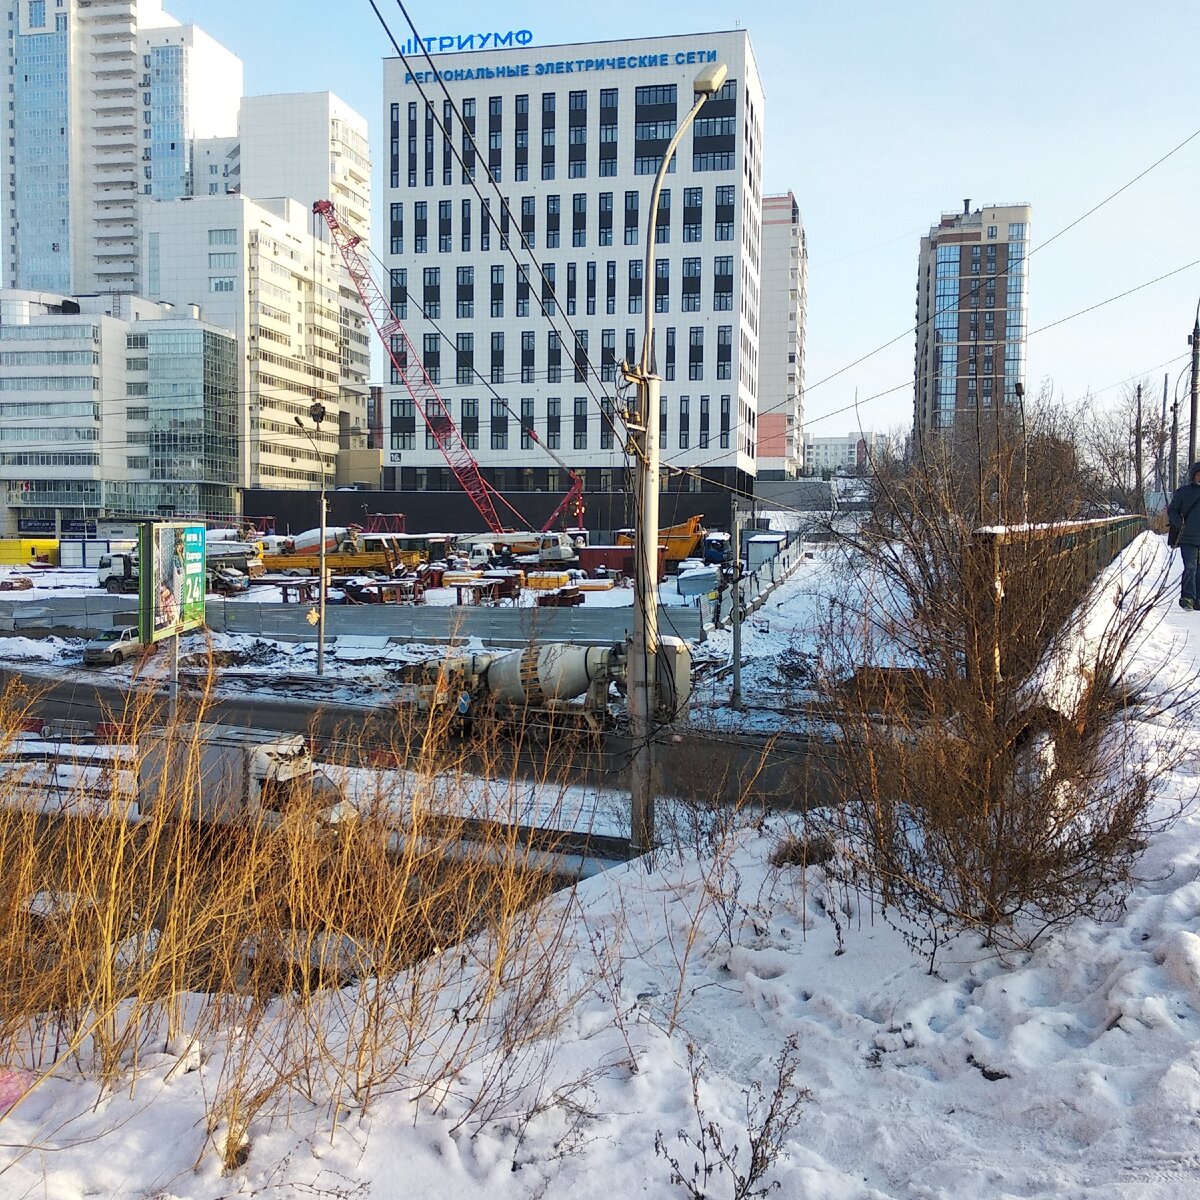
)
(1071, 1070)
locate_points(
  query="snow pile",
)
(1071, 1070)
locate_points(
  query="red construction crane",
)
(426, 398)
(412, 373)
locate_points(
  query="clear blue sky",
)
(879, 116)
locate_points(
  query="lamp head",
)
(710, 80)
(299, 423)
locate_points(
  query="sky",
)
(879, 117)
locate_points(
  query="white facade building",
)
(255, 268)
(844, 455)
(310, 146)
(191, 87)
(112, 406)
(781, 340)
(536, 285)
(104, 95)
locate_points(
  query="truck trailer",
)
(220, 775)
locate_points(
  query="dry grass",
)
(407, 950)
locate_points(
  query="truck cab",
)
(117, 572)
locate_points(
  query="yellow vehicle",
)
(680, 541)
(357, 551)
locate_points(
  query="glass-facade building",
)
(971, 315)
(38, 143)
(113, 407)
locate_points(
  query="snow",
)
(1069, 1070)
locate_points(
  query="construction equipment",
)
(680, 540)
(425, 396)
(555, 679)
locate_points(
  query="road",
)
(780, 772)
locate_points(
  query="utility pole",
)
(317, 413)
(641, 672)
(1161, 439)
(1173, 465)
(735, 525)
(1139, 479)
(1194, 341)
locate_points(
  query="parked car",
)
(112, 646)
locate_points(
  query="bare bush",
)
(989, 778)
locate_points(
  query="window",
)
(37, 14)
(396, 231)
(497, 363)
(222, 283)
(222, 259)
(528, 350)
(605, 218)
(691, 285)
(635, 285)
(631, 218)
(724, 351)
(662, 220)
(693, 214)
(662, 286)
(553, 211)
(723, 283)
(579, 219)
(579, 423)
(723, 214)
(553, 357)
(431, 299)
(499, 424)
(553, 422)
(464, 298)
(670, 365)
(696, 352)
(222, 237)
(608, 355)
(497, 291)
(991, 232)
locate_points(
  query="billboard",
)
(170, 579)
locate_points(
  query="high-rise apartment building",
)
(971, 315)
(523, 298)
(309, 146)
(781, 339)
(256, 269)
(191, 87)
(111, 406)
(104, 95)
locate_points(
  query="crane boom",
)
(412, 373)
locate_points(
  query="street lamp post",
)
(317, 413)
(643, 649)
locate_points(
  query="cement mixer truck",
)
(559, 678)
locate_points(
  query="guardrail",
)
(1030, 578)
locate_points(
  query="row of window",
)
(466, 371)
(403, 428)
(545, 294)
(655, 114)
(554, 230)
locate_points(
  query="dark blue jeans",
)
(1187, 589)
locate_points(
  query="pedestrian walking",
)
(1183, 518)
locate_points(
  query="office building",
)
(104, 96)
(972, 294)
(111, 406)
(781, 340)
(536, 285)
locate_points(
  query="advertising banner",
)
(171, 583)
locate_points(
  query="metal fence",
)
(755, 585)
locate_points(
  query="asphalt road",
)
(788, 773)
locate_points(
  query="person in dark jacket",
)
(1183, 516)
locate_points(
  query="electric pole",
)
(1194, 340)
